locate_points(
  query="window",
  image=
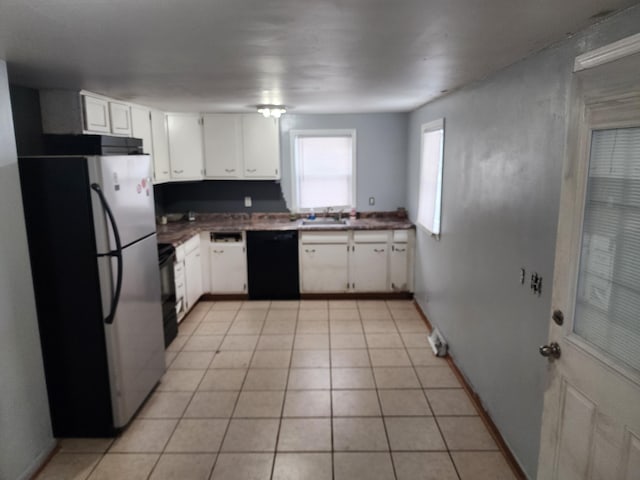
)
(323, 169)
(431, 162)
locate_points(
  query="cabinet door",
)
(96, 114)
(222, 145)
(228, 268)
(181, 290)
(399, 267)
(261, 147)
(369, 267)
(193, 277)
(141, 127)
(185, 147)
(120, 115)
(323, 268)
(161, 167)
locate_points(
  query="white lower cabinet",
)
(369, 263)
(193, 270)
(400, 261)
(188, 254)
(369, 267)
(357, 261)
(324, 260)
(181, 288)
(228, 268)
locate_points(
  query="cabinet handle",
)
(251, 170)
(400, 249)
(378, 251)
(178, 171)
(165, 172)
(310, 251)
(218, 251)
(229, 170)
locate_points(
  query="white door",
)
(261, 146)
(161, 167)
(228, 268)
(369, 267)
(193, 274)
(96, 114)
(323, 268)
(120, 115)
(399, 267)
(223, 145)
(185, 146)
(141, 128)
(591, 419)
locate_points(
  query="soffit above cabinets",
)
(316, 56)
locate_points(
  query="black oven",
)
(166, 258)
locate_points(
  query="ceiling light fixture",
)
(274, 111)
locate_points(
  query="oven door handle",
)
(117, 253)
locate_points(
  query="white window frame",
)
(434, 228)
(294, 134)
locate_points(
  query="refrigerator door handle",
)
(114, 253)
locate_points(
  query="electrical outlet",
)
(247, 201)
(372, 200)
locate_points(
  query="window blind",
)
(608, 298)
(324, 171)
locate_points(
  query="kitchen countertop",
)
(180, 231)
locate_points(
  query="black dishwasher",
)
(272, 264)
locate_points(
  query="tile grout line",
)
(284, 396)
(433, 413)
(333, 466)
(244, 379)
(375, 383)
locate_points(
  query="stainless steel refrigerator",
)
(93, 248)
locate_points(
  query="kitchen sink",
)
(325, 221)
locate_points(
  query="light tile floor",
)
(310, 390)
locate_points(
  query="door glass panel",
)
(607, 311)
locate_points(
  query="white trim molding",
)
(608, 53)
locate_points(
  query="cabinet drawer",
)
(324, 238)
(401, 236)
(371, 237)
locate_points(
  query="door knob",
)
(550, 351)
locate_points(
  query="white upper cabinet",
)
(241, 146)
(120, 116)
(141, 127)
(73, 112)
(185, 146)
(223, 145)
(96, 114)
(161, 166)
(261, 147)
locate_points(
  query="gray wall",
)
(381, 154)
(504, 149)
(25, 432)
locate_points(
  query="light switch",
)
(247, 201)
(372, 200)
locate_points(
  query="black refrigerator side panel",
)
(57, 206)
(272, 265)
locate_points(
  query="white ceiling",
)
(314, 55)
